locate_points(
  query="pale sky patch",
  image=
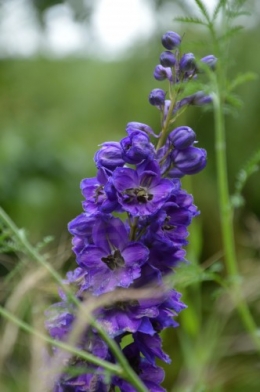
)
(115, 26)
(117, 23)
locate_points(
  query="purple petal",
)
(135, 254)
(151, 347)
(125, 178)
(109, 231)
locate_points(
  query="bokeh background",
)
(71, 77)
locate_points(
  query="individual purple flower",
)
(112, 261)
(76, 280)
(171, 40)
(167, 59)
(151, 375)
(169, 227)
(81, 228)
(200, 99)
(151, 347)
(92, 381)
(162, 73)
(187, 62)
(134, 126)
(167, 311)
(128, 317)
(141, 192)
(191, 160)
(93, 189)
(157, 97)
(210, 60)
(59, 319)
(182, 137)
(137, 147)
(163, 258)
(109, 156)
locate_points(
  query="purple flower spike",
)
(137, 147)
(167, 59)
(141, 193)
(190, 160)
(157, 97)
(182, 137)
(162, 73)
(141, 246)
(171, 40)
(187, 62)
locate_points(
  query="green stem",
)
(129, 373)
(115, 369)
(226, 217)
(226, 212)
(166, 123)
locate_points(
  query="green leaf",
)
(44, 242)
(188, 275)
(190, 19)
(230, 32)
(242, 78)
(236, 14)
(251, 167)
(219, 5)
(233, 100)
(203, 9)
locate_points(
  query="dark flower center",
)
(140, 194)
(98, 192)
(114, 261)
(166, 225)
(123, 305)
(135, 364)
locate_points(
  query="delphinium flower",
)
(132, 232)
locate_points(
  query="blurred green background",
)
(56, 111)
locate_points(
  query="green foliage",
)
(203, 9)
(190, 19)
(240, 79)
(251, 167)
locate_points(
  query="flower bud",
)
(161, 73)
(200, 99)
(109, 156)
(137, 147)
(137, 126)
(182, 137)
(190, 160)
(157, 97)
(210, 60)
(171, 40)
(187, 62)
(167, 59)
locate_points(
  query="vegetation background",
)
(54, 113)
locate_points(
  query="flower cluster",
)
(138, 177)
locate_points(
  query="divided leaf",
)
(190, 19)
